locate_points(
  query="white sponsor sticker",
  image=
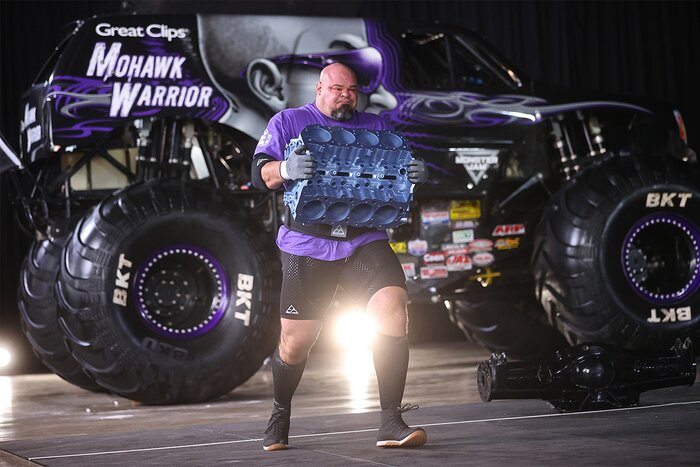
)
(481, 244)
(434, 257)
(462, 236)
(483, 259)
(417, 247)
(454, 248)
(468, 224)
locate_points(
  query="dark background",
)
(647, 49)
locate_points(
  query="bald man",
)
(315, 262)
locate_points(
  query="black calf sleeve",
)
(285, 378)
(391, 365)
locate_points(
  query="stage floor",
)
(46, 421)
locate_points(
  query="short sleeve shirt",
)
(287, 125)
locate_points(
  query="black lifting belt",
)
(332, 232)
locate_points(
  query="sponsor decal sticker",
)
(417, 247)
(434, 257)
(462, 236)
(483, 259)
(465, 210)
(476, 161)
(468, 224)
(433, 272)
(508, 229)
(459, 263)
(409, 270)
(399, 247)
(435, 217)
(667, 199)
(454, 248)
(481, 244)
(507, 243)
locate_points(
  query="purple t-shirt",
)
(287, 125)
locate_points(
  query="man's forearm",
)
(270, 173)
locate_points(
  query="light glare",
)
(5, 357)
(354, 329)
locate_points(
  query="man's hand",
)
(417, 173)
(298, 166)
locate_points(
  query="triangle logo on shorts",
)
(339, 231)
(291, 310)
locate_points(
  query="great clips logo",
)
(159, 31)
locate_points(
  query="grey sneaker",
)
(394, 433)
(277, 432)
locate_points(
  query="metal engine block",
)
(361, 178)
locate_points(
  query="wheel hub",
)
(181, 291)
(660, 258)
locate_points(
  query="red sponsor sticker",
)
(409, 269)
(433, 272)
(459, 263)
(508, 229)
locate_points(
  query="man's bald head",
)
(330, 71)
(336, 92)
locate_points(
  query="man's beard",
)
(343, 113)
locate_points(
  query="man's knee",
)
(388, 308)
(296, 339)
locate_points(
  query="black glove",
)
(417, 172)
(298, 166)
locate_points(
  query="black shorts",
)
(309, 284)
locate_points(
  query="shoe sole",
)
(275, 447)
(414, 440)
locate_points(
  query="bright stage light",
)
(5, 357)
(354, 329)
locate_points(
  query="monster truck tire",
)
(512, 325)
(169, 293)
(39, 311)
(617, 254)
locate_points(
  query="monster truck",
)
(154, 275)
